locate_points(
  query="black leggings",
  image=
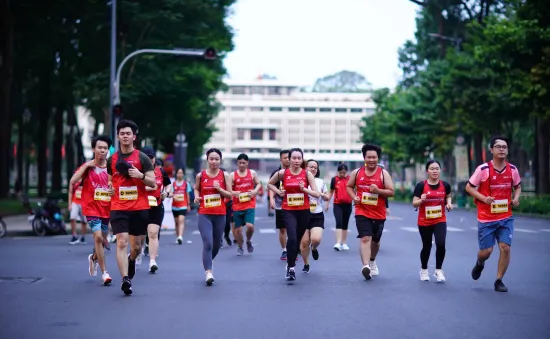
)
(439, 231)
(296, 223)
(342, 213)
(228, 218)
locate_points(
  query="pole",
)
(113, 69)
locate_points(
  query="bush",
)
(534, 205)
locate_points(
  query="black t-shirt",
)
(420, 188)
(273, 173)
(165, 178)
(144, 160)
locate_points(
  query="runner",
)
(245, 185)
(210, 186)
(276, 203)
(341, 206)
(314, 233)
(75, 210)
(229, 221)
(96, 202)
(369, 187)
(156, 211)
(180, 203)
(495, 181)
(432, 196)
(295, 194)
(130, 171)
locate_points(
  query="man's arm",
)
(387, 191)
(350, 187)
(257, 182)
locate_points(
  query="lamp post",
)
(180, 152)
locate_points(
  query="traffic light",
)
(117, 111)
(210, 54)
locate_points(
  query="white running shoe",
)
(153, 267)
(439, 276)
(337, 247)
(106, 278)
(138, 260)
(209, 278)
(373, 268)
(92, 266)
(424, 275)
(179, 240)
(345, 247)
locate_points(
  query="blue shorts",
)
(501, 231)
(97, 224)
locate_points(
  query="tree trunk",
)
(56, 150)
(6, 76)
(43, 132)
(478, 149)
(543, 155)
(69, 146)
(80, 159)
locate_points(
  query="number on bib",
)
(78, 193)
(499, 206)
(212, 200)
(295, 199)
(179, 197)
(244, 197)
(152, 201)
(434, 212)
(369, 199)
(101, 194)
(312, 206)
(128, 193)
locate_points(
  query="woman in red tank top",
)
(210, 191)
(295, 181)
(341, 206)
(431, 197)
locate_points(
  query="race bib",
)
(295, 199)
(499, 206)
(102, 194)
(179, 197)
(212, 200)
(434, 212)
(78, 193)
(128, 193)
(152, 201)
(312, 206)
(369, 199)
(244, 197)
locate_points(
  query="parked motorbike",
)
(47, 219)
(3, 228)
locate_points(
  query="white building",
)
(261, 117)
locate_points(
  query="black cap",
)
(149, 151)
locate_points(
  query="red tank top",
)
(96, 200)
(294, 198)
(498, 186)
(130, 193)
(154, 196)
(341, 196)
(77, 193)
(212, 201)
(180, 195)
(432, 211)
(372, 206)
(243, 184)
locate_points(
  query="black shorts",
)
(156, 215)
(279, 223)
(367, 227)
(177, 213)
(316, 220)
(131, 222)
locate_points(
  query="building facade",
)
(261, 117)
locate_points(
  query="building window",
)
(256, 134)
(238, 90)
(272, 90)
(272, 134)
(275, 109)
(256, 109)
(294, 109)
(356, 110)
(257, 90)
(341, 110)
(237, 108)
(325, 110)
(310, 109)
(240, 134)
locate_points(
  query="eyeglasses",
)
(500, 147)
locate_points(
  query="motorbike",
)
(47, 219)
(3, 228)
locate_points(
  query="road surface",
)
(46, 292)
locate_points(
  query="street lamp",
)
(180, 152)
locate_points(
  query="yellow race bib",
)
(179, 197)
(434, 212)
(102, 194)
(212, 200)
(244, 197)
(499, 206)
(295, 199)
(312, 206)
(128, 193)
(78, 193)
(369, 199)
(152, 201)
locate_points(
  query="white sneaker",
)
(345, 247)
(106, 278)
(337, 247)
(424, 275)
(439, 276)
(92, 269)
(373, 268)
(138, 260)
(179, 240)
(153, 267)
(209, 278)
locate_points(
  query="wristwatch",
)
(143, 176)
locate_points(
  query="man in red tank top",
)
(245, 185)
(129, 172)
(495, 182)
(96, 202)
(369, 187)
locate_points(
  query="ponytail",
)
(304, 164)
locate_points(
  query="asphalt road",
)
(54, 297)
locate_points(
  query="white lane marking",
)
(196, 232)
(385, 231)
(391, 217)
(473, 228)
(523, 230)
(267, 231)
(410, 229)
(545, 229)
(454, 229)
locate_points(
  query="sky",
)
(300, 41)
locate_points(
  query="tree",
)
(343, 82)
